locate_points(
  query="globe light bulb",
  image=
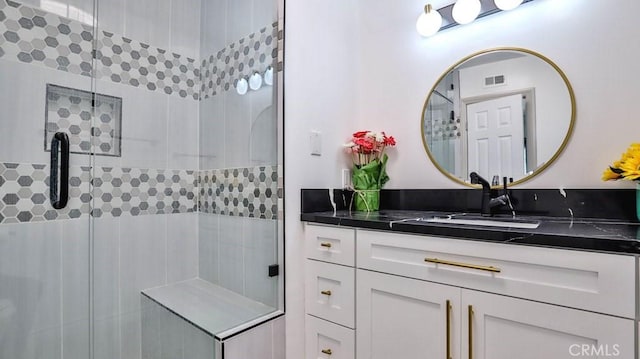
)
(429, 22)
(465, 11)
(506, 5)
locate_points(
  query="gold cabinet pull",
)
(326, 351)
(326, 292)
(448, 310)
(470, 315)
(325, 244)
(463, 265)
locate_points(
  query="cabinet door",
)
(506, 328)
(326, 340)
(405, 318)
(330, 292)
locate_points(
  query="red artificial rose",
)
(364, 144)
(360, 134)
(389, 141)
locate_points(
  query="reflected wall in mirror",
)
(505, 112)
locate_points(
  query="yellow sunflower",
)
(628, 167)
(608, 175)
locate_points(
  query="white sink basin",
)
(488, 222)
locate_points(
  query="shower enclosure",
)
(140, 187)
(442, 128)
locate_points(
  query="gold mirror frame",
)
(538, 170)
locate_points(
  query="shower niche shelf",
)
(92, 121)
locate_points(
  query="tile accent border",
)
(255, 52)
(25, 193)
(136, 191)
(30, 35)
(112, 192)
(244, 192)
(134, 63)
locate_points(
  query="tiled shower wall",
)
(147, 55)
(145, 202)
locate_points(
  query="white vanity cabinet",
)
(406, 318)
(500, 327)
(420, 296)
(330, 293)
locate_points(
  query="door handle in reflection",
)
(448, 328)
(326, 351)
(59, 158)
(326, 292)
(470, 318)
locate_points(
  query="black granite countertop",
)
(571, 233)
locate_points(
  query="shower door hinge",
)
(274, 270)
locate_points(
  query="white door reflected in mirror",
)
(496, 137)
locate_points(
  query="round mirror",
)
(504, 112)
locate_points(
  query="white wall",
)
(360, 64)
(321, 57)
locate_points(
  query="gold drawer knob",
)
(326, 351)
(325, 244)
(326, 292)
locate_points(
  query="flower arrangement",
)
(627, 168)
(369, 167)
(367, 146)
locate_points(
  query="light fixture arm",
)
(487, 8)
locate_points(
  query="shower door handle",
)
(59, 156)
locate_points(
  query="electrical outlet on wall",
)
(315, 141)
(346, 178)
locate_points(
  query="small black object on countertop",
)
(594, 220)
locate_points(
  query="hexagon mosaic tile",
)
(138, 191)
(25, 193)
(256, 52)
(71, 111)
(31, 35)
(244, 192)
(35, 36)
(111, 192)
(137, 64)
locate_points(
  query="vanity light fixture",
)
(461, 12)
(242, 86)
(429, 22)
(255, 81)
(506, 5)
(268, 76)
(465, 11)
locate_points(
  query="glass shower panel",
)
(145, 200)
(239, 223)
(46, 100)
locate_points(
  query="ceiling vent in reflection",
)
(497, 80)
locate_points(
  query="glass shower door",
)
(46, 106)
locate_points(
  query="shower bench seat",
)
(197, 310)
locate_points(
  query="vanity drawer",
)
(325, 340)
(598, 282)
(330, 244)
(330, 292)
